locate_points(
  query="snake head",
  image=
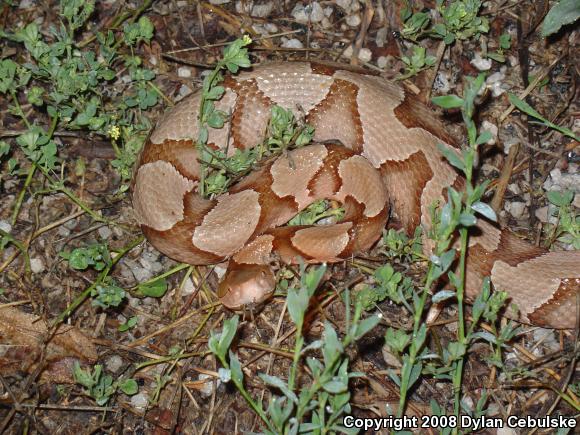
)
(245, 285)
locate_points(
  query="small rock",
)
(292, 43)
(184, 72)
(5, 226)
(26, 4)
(344, 4)
(219, 2)
(152, 60)
(37, 265)
(353, 20)
(183, 92)
(207, 387)
(516, 209)
(481, 63)
(506, 431)
(381, 38)
(545, 215)
(259, 10)
(271, 27)
(492, 128)
(139, 401)
(310, 13)
(105, 232)
(114, 363)
(441, 83)
(188, 287)
(576, 202)
(547, 339)
(364, 55)
(382, 62)
(495, 83)
(514, 188)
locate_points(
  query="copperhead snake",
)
(389, 166)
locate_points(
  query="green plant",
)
(100, 386)
(95, 255)
(562, 13)
(107, 294)
(457, 215)
(505, 42)
(315, 408)
(529, 110)
(317, 211)
(388, 284)
(129, 324)
(567, 230)
(235, 56)
(66, 80)
(418, 62)
(459, 20)
(398, 245)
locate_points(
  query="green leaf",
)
(365, 326)
(335, 387)
(278, 383)
(129, 387)
(448, 101)
(451, 157)
(443, 295)
(560, 199)
(155, 289)
(467, 220)
(130, 323)
(562, 13)
(236, 369)
(526, 108)
(485, 210)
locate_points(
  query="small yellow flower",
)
(114, 132)
(247, 40)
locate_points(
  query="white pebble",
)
(382, 35)
(310, 13)
(506, 431)
(184, 72)
(516, 209)
(188, 287)
(292, 43)
(480, 63)
(576, 202)
(492, 128)
(5, 226)
(114, 363)
(514, 188)
(382, 62)
(37, 265)
(219, 2)
(353, 20)
(271, 27)
(139, 401)
(344, 4)
(105, 232)
(206, 389)
(441, 83)
(260, 10)
(545, 215)
(364, 55)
